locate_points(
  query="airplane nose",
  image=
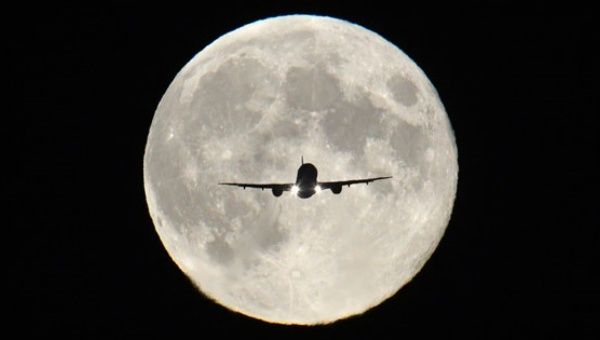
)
(306, 193)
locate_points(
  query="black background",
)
(517, 258)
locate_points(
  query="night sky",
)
(516, 260)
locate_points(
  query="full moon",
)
(245, 109)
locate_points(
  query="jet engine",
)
(336, 189)
(277, 192)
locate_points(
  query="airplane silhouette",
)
(306, 183)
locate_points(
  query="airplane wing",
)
(272, 186)
(336, 186)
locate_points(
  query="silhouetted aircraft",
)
(306, 183)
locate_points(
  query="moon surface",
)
(246, 108)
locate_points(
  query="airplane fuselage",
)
(306, 180)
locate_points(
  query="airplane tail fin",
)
(302, 159)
